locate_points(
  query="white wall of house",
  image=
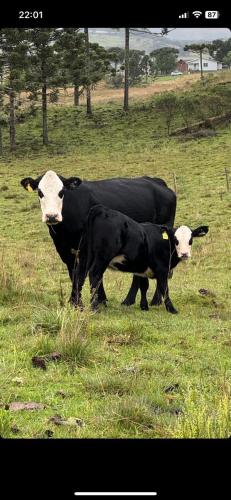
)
(207, 64)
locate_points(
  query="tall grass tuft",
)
(70, 330)
(47, 321)
(199, 421)
(5, 423)
(73, 340)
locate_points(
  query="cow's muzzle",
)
(52, 219)
(184, 256)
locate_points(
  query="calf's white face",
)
(183, 242)
(50, 191)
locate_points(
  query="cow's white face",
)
(183, 242)
(51, 188)
(51, 191)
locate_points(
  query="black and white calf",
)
(113, 240)
(65, 204)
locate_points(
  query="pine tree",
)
(71, 48)
(88, 87)
(13, 48)
(44, 71)
(198, 49)
(126, 72)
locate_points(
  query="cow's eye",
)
(61, 193)
(176, 241)
(190, 241)
(40, 193)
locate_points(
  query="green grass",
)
(116, 364)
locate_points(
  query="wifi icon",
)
(197, 13)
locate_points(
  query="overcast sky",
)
(197, 33)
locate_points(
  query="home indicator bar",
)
(116, 493)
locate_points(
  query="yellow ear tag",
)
(165, 236)
(29, 188)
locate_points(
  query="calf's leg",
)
(131, 296)
(96, 276)
(162, 284)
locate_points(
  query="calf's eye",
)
(40, 193)
(61, 193)
(176, 241)
(190, 241)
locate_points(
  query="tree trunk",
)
(1, 146)
(126, 74)
(76, 95)
(12, 120)
(88, 89)
(44, 113)
(202, 76)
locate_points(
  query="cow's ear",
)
(72, 182)
(200, 231)
(30, 184)
(166, 231)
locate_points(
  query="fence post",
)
(227, 178)
(174, 180)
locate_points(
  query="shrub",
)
(167, 105)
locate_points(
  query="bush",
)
(116, 81)
(167, 104)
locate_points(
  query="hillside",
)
(178, 38)
(123, 372)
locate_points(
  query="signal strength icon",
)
(184, 16)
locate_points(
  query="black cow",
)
(113, 240)
(65, 204)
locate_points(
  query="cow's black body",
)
(142, 199)
(143, 248)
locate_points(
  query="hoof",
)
(104, 303)
(144, 307)
(172, 311)
(127, 303)
(156, 303)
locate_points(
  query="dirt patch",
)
(103, 93)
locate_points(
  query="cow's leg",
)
(96, 276)
(78, 279)
(131, 296)
(101, 294)
(162, 284)
(144, 284)
(157, 298)
(72, 270)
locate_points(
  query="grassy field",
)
(123, 372)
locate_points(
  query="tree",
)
(88, 88)
(227, 59)
(136, 67)
(13, 60)
(116, 56)
(71, 48)
(126, 67)
(198, 49)
(165, 59)
(167, 104)
(219, 49)
(1, 104)
(44, 69)
(127, 31)
(146, 65)
(96, 65)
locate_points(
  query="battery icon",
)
(212, 14)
